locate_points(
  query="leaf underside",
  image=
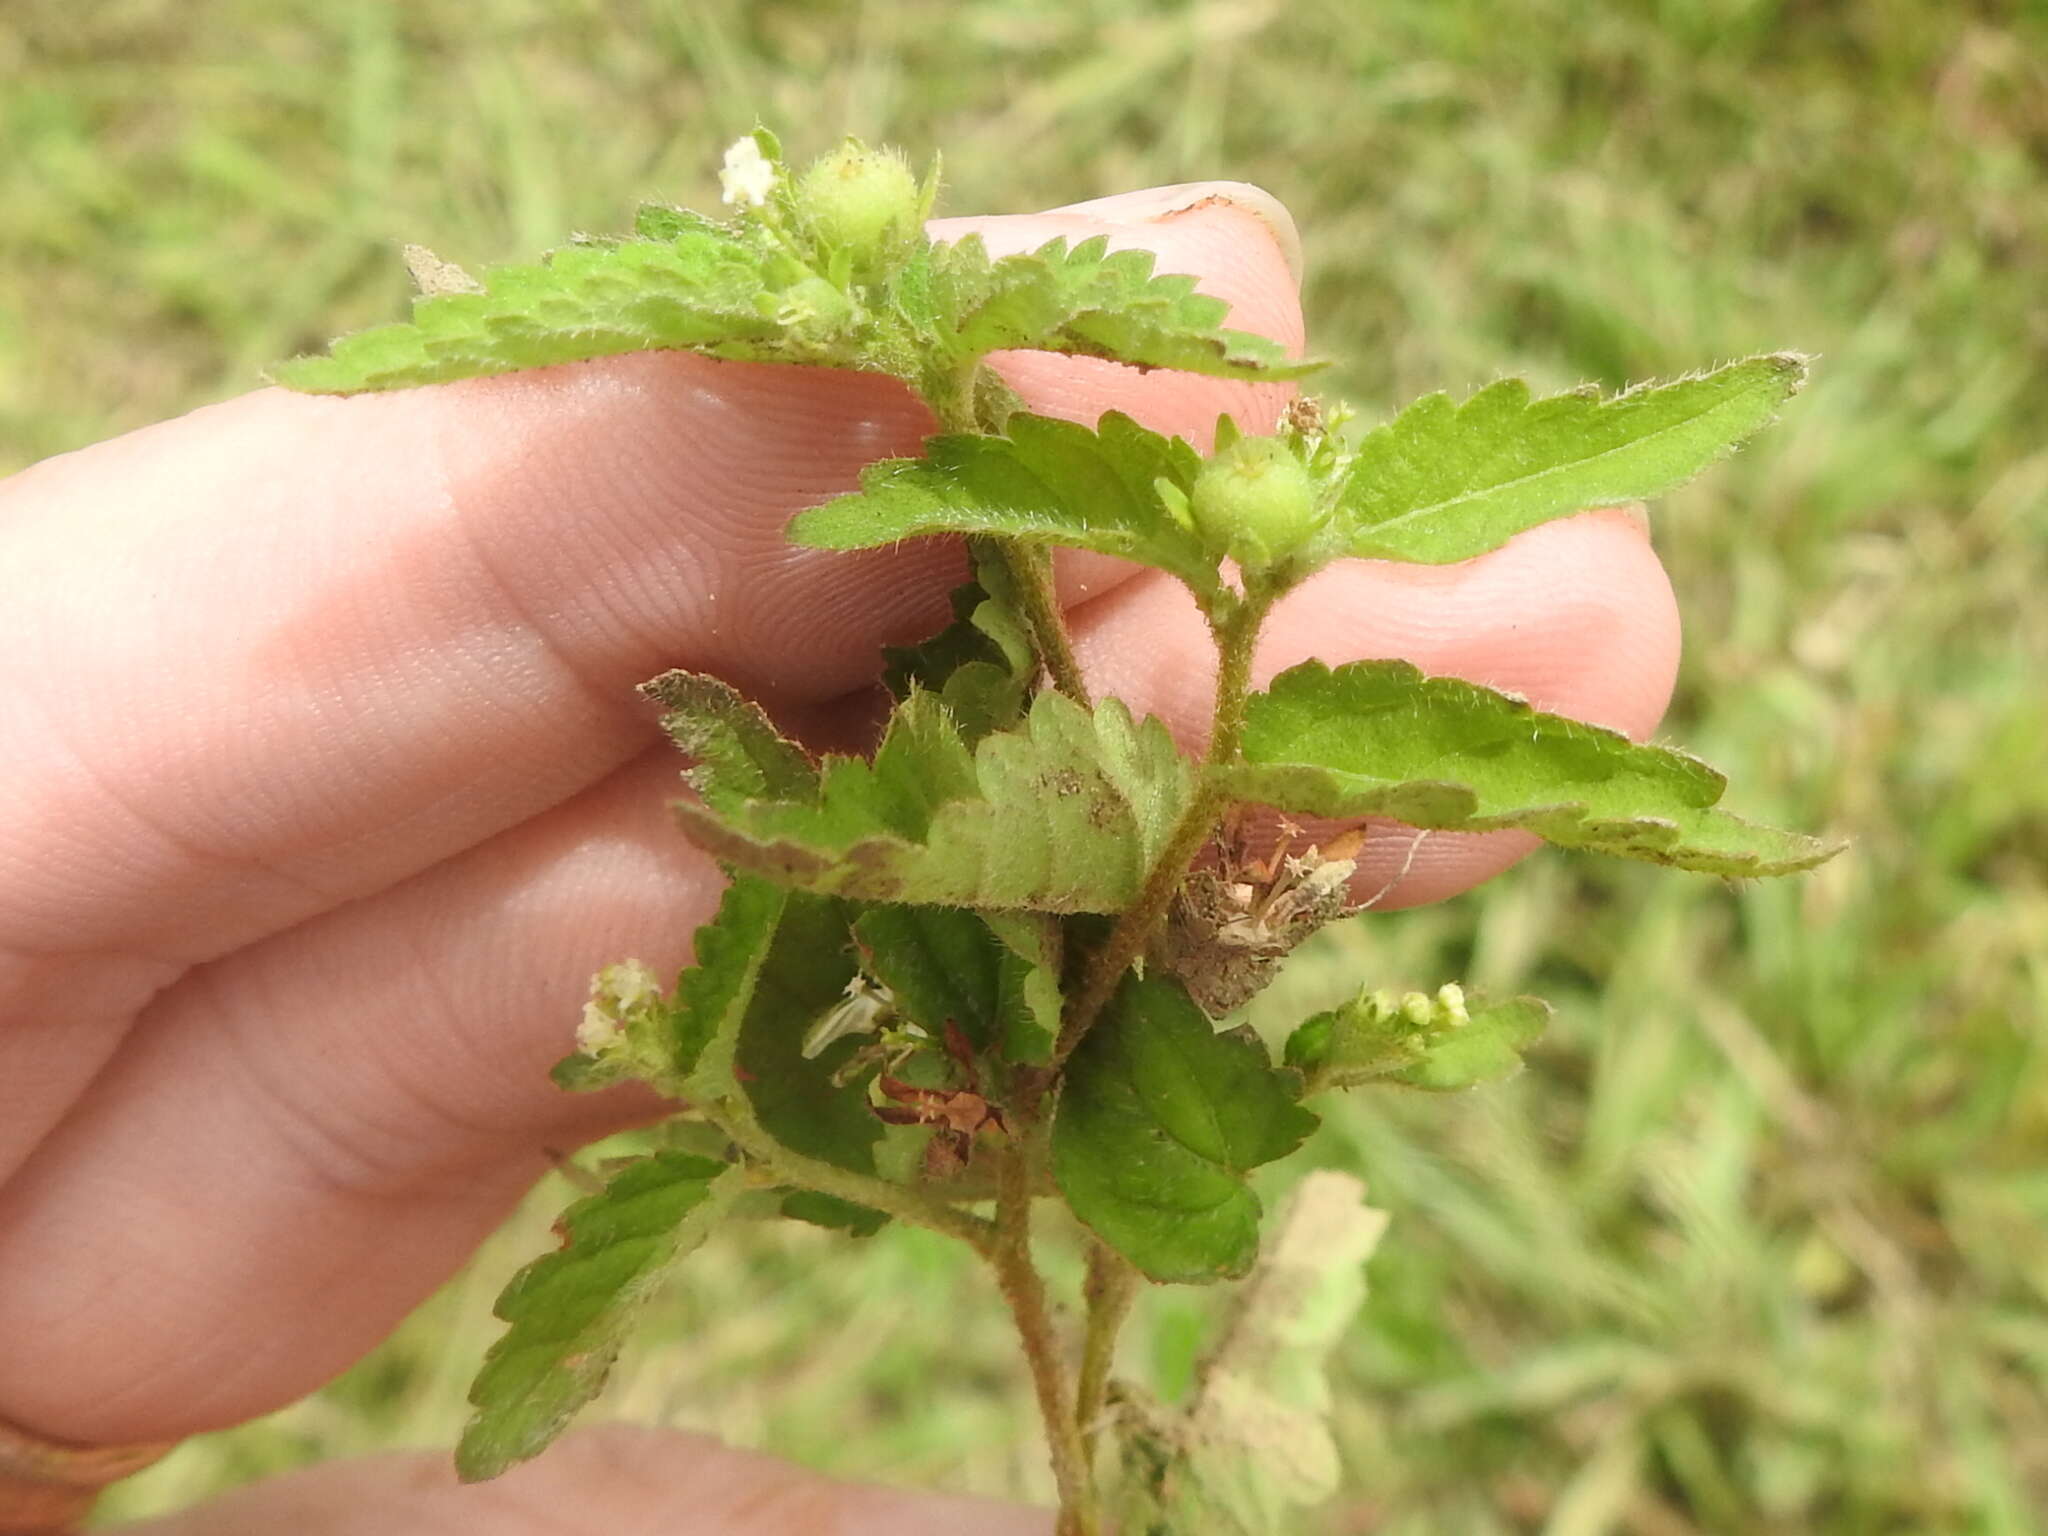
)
(1046, 480)
(1254, 1447)
(1444, 482)
(809, 960)
(769, 965)
(1064, 814)
(569, 1310)
(1378, 738)
(1159, 1120)
(1082, 299)
(733, 290)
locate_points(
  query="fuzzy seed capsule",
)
(1256, 502)
(860, 199)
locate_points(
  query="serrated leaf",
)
(809, 961)
(1047, 481)
(1377, 738)
(1444, 482)
(569, 1310)
(664, 221)
(1442, 1043)
(736, 289)
(770, 965)
(728, 954)
(1064, 814)
(1083, 300)
(1159, 1120)
(942, 964)
(706, 290)
(740, 754)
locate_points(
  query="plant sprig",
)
(984, 965)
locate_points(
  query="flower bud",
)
(861, 200)
(1256, 502)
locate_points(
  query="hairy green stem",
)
(1030, 572)
(1112, 1286)
(859, 1188)
(1235, 626)
(1024, 1289)
(957, 399)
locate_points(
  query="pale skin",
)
(327, 789)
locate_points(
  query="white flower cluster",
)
(1444, 1011)
(748, 176)
(616, 993)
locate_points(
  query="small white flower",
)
(748, 176)
(1450, 1002)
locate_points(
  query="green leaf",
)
(728, 951)
(740, 754)
(806, 969)
(772, 963)
(1064, 814)
(1029, 1000)
(942, 963)
(1442, 1043)
(982, 665)
(1159, 1120)
(741, 289)
(569, 1311)
(707, 289)
(1377, 738)
(1047, 481)
(1441, 482)
(667, 223)
(1084, 300)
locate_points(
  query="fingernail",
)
(1162, 205)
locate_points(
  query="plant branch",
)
(1030, 572)
(859, 1188)
(1112, 1286)
(1024, 1290)
(957, 399)
(1235, 625)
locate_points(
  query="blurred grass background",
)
(1760, 1242)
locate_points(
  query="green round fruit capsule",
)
(860, 199)
(1255, 502)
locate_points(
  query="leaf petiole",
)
(866, 1189)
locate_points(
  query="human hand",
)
(328, 789)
